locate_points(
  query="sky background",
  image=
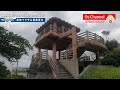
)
(28, 29)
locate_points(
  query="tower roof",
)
(59, 23)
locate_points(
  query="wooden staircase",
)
(58, 70)
(63, 73)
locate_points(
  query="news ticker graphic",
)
(22, 19)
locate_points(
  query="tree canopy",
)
(111, 44)
(12, 46)
(112, 56)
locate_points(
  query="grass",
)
(103, 72)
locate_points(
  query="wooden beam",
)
(70, 36)
(56, 34)
(62, 35)
(41, 38)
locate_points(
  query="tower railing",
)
(90, 36)
(68, 53)
(53, 28)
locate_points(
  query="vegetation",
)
(111, 44)
(4, 73)
(112, 56)
(13, 46)
(18, 77)
(103, 72)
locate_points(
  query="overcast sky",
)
(28, 29)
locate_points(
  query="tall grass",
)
(103, 72)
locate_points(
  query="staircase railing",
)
(54, 66)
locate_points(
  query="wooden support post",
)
(44, 31)
(74, 42)
(54, 50)
(63, 29)
(55, 27)
(51, 27)
(39, 51)
(66, 54)
(87, 35)
(95, 36)
(74, 67)
(59, 55)
(47, 54)
(97, 58)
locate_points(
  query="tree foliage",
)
(112, 56)
(111, 44)
(12, 46)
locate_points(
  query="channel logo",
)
(100, 17)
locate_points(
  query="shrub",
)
(112, 57)
(4, 73)
(18, 77)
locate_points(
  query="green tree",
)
(106, 34)
(13, 46)
(112, 56)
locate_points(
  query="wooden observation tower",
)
(61, 36)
